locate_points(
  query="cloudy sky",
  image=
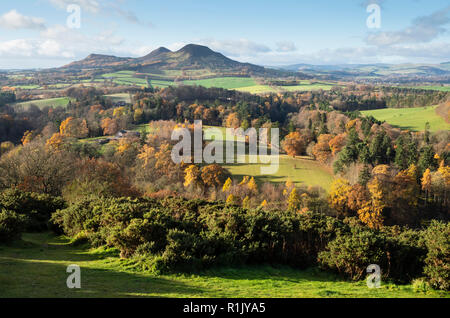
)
(42, 33)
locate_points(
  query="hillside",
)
(190, 60)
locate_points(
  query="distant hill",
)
(379, 71)
(192, 57)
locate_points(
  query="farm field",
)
(301, 171)
(244, 84)
(410, 118)
(41, 103)
(434, 88)
(257, 89)
(224, 82)
(119, 98)
(36, 267)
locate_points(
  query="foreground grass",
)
(36, 267)
(410, 118)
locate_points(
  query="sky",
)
(52, 33)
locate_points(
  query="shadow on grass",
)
(43, 278)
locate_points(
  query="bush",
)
(437, 262)
(38, 208)
(351, 253)
(174, 234)
(11, 225)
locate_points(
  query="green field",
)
(301, 171)
(433, 88)
(304, 87)
(224, 82)
(119, 98)
(42, 103)
(36, 267)
(410, 118)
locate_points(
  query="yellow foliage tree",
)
(252, 186)
(294, 200)
(227, 185)
(338, 197)
(232, 200)
(372, 211)
(192, 176)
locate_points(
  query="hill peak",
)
(197, 50)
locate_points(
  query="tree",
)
(322, 151)
(252, 186)
(294, 144)
(294, 200)
(74, 128)
(232, 121)
(214, 175)
(193, 176)
(109, 126)
(426, 183)
(232, 200)
(338, 196)
(371, 212)
(227, 185)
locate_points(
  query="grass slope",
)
(301, 171)
(41, 103)
(36, 267)
(410, 118)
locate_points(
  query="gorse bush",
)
(173, 234)
(11, 225)
(36, 208)
(437, 241)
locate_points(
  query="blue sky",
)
(34, 33)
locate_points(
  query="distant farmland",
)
(244, 84)
(410, 118)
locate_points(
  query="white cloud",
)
(423, 29)
(15, 20)
(286, 46)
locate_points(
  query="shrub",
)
(38, 208)
(11, 225)
(437, 262)
(351, 253)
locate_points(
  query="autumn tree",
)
(74, 128)
(294, 200)
(192, 177)
(214, 175)
(294, 144)
(109, 126)
(338, 196)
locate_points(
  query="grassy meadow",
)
(410, 118)
(42, 103)
(36, 267)
(301, 171)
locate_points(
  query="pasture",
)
(301, 171)
(410, 118)
(36, 267)
(42, 103)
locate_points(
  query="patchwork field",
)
(410, 118)
(244, 84)
(36, 267)
(42, 103)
